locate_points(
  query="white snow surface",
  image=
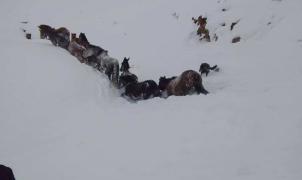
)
(60, 119)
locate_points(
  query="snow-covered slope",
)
(60, 119)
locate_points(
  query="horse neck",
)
(77, 43)
(173, 82)
(104, 55)
(126, 72)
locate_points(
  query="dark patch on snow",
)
(236, 39)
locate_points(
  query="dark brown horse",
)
(187, 83)
(58, 37)
(45, 30)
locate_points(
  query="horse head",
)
(204, 67)
(83, 39)
(163, 83)
(125, 65)
(45, 30)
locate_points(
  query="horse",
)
(93, 50)
(110, 66)
(58, 37)
(99, 58)
(92, 55)
(187, 83)
(141, 90)
(126, 76)
(76, 48)
(6, 173)
(205, 68)
(45, 30)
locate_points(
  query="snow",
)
(60, 119)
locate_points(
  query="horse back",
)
(189, 78)
(184, 83)
(75, 46)
(62, 30)
(44, 27)
(127, 78)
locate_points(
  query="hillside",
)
(60, 119)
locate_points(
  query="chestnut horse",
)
(187, 83)
(76, 48)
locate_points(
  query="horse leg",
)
(115, 74)
(157, 93)
(200, 89)
(146, 95)
(54, 41)
(108, 73)
(42, 36)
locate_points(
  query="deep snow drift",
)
(60, 119)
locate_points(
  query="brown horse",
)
(76, 48)
(187, 83)
(58, 37)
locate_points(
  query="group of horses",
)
(186, 83)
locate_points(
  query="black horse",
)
(141, 90)
(126, 76)
(205, 68)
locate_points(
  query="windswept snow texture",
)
(60, 119)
